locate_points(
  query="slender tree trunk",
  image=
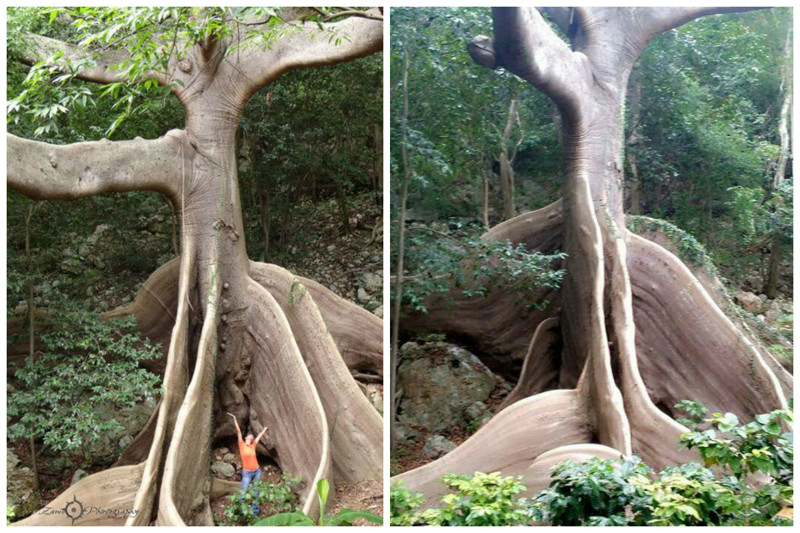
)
(31, 329)
(485, 196)
(401, 235)
(377, 163)
(506, 170)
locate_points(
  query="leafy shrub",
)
(272, 498)
(403, 505)
(461, 258)
(595, 492)
(86, 367)
(605, 493)
(481, 500)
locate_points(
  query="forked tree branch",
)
(306, 45)
(101, 65)
(45, 171)
(525, 44)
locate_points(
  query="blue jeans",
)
(247, 477)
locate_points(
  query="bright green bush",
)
(403, 505)
(481, 500)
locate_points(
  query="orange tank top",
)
(248, 454)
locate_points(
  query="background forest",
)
(310, 164)
(708, 175)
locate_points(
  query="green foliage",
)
(595, 492)
(272, 498)
(345, 517)
(87, 365)
(605, 492)
(480, 500)
(689, 248)
(462, 259)
(403, 505)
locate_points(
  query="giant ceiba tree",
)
(631, 331)
(245, 337)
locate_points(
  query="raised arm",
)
(258, 438)
(236, 423)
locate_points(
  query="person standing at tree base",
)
(247, 451)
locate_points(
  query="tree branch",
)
(656, 20)
(305, 45)
(102, 70)
(525, 44)
(45, 171)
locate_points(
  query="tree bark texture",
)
(275, 349)
(631, 331)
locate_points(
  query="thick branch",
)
(99, 68)
(525, 44)
(306, 45)
(656, 20)
(45, 171)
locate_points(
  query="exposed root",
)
(106, 498)
(283, 395)
(358, 334)
(175, 378)
(542, 363)
(539, 230)
(155, 307)
(687, 348)
(510, 441)
(355, 425)
(186, 481)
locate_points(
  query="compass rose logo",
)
(74, 509)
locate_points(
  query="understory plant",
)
(272, 498)
(85, 368)
(403, 505)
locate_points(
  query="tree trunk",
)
(635, 184)
(31, 328)
(377, 163)
(771, 285)
(506, 170)
(485, 197)
(274, 349)
(638, 331)
(401, 236)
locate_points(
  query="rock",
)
(774, 311)
(223, 469)
(362, 295)
(476, 411)
(131, 419)
(332, 248)
(439, 381)
(78, 475)
(229, 457)
(748, 301)
(125, 441)
(223, 451)
(20, 499)
(378, 312)
(437, 446)
(373, 282)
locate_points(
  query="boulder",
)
(20, 497)
(373, 282)
(437, 446)
(362, 295)
(438, 382)
(748, 301)
(223, 470)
